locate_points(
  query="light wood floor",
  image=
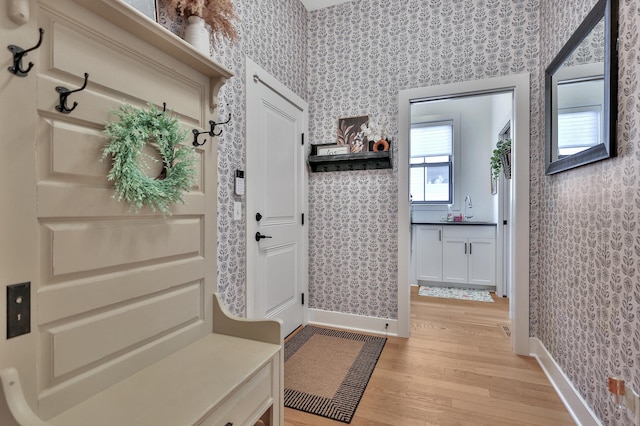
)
(457, 368)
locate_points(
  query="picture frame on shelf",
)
(148, 8)
(332, 149)
(350, 133)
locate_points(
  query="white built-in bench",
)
(233, 376)
(123, 328)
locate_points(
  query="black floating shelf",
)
(347, 162)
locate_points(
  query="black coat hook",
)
(64, 94)
(196, 133)
(164, 109)
(211, 132)
(213, 125)
(19, 53)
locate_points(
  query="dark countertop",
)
(456, 223)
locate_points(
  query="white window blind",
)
(431, 139)
(431, 162)
(578, 128)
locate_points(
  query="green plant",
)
(501, 149)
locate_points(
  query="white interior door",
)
(276, 193)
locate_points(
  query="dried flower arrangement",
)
(375, 134)
(219, 14)
(373, 131)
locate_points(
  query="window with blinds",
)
(431, 163)
(578, 129)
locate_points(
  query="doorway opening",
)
(518, 213)
(456, 162)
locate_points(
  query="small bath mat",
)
(456, 293)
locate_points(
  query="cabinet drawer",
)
(469, 231)
(243, 404)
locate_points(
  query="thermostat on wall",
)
(239, 183)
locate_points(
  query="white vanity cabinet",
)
(469, 255)
(454, 254)
(428, 252)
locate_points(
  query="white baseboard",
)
(353, 322)
(576, 405)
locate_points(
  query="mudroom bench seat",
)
(232, 376)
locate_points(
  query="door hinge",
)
(302, 219)
(303, 298)
(302, 138)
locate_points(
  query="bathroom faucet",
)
(467, 204)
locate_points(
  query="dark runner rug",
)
(326, 371)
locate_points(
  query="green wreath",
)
(127, 139)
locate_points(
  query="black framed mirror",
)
(581, 93)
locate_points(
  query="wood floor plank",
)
(419, 383)
(457, 368)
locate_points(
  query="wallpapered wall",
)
(585, 276)
(361, 54)
(352, 59)
(273, 33)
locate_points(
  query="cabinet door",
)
(455, 260)
(429, 253)
(482, 261)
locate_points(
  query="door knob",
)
(259, 236)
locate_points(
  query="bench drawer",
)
(247, 403)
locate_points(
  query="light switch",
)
(237, 210)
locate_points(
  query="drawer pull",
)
(229, 424)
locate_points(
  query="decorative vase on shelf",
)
(197, 34)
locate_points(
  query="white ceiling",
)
(319, 4)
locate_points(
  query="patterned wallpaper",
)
(591, 49)
(360, 55)
(273, 33)
(585, 279)
(352, 59)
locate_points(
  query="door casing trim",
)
(520, 85)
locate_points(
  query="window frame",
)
(453, 118)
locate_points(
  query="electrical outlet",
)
(18, 309)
